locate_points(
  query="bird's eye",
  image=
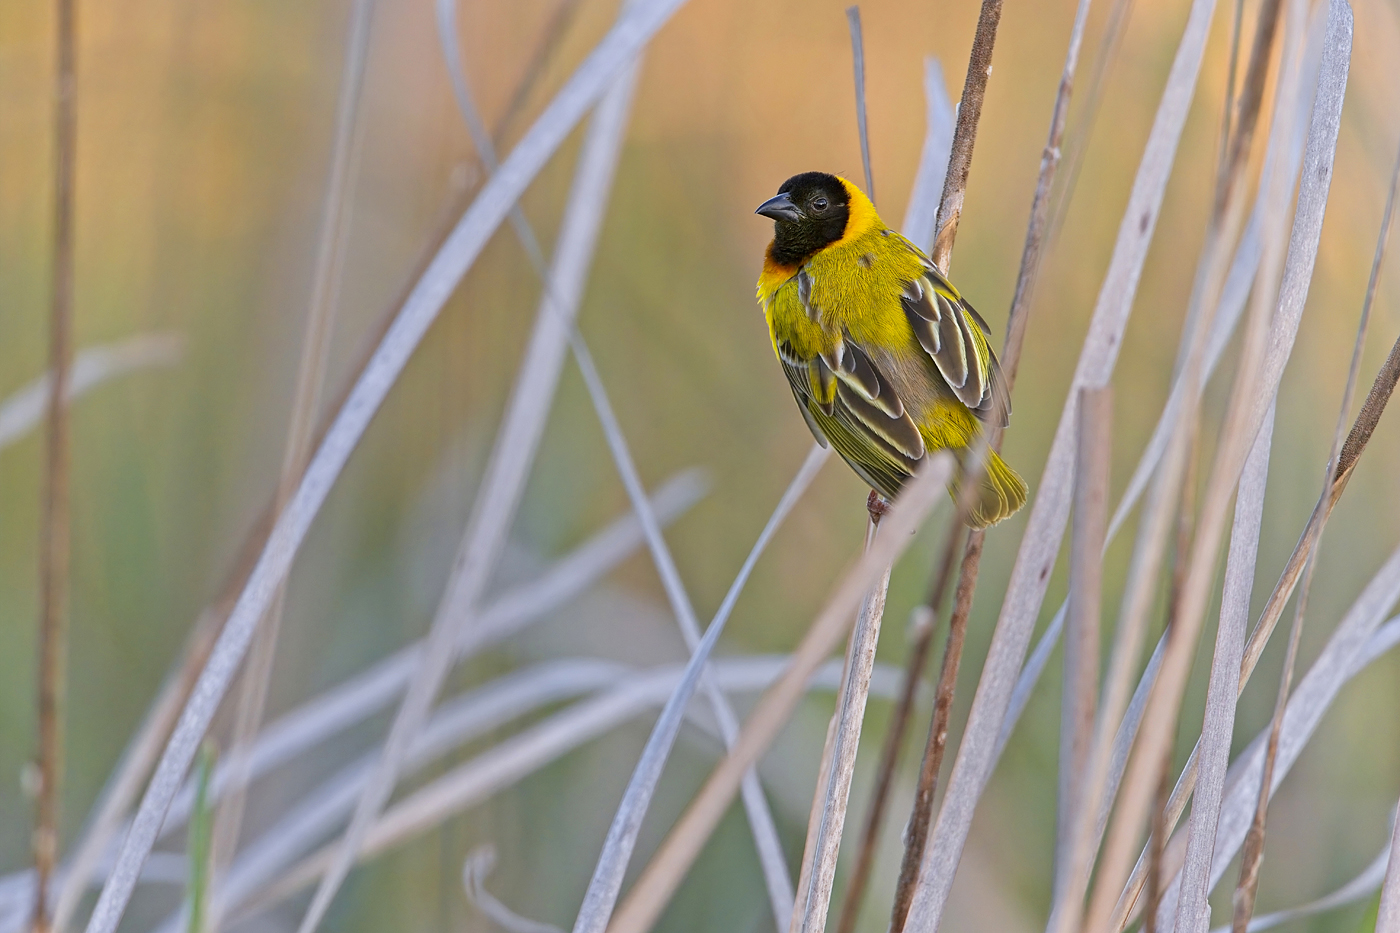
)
(819, 205)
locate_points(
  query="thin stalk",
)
(274, 874)
(1247, 887)
(24, 409)
(1049, 513)
(1082, 627)
(512, 451)
(682, 845)
(979, 69)
(858, 63)
(54, 544)
(145, 746)
(332, 241)
(458, 253)
(1255, 386)
(828, 814)
(948, 215)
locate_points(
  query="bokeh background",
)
(204, 139)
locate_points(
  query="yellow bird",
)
(886, 360)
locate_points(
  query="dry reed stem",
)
(1359, 435)
(459, 251)
(1248, 884)
(862, 127)
(583, 216)
(661, 877)
(508, 467)
(601, 895)
(1285, 143)
(1256, 383)
(827, 819)
(921, 213)
(1355, 642)
(1017, 320)
(1110, 44)
(145, 746)
(1388, 913)
(332, 239)
(54, 521)
(1081, 657)
(919, 218)
(1049, 514)
(475, 869)
(274, 867)
(979, 69)
(947, 218)
(540, 744)
(1222, 694)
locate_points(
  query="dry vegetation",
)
(469, 708)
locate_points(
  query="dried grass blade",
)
(828, 815)
(919, 218)
(1352, 644)
(22, 411)
(1257, 381)
(858, 63)
(365, 694)
(653, 890)
(527, 751)
(1388, 914)
(1247, 887)
(922, 213)
(458, 252)
(601, 896)
(1081, 657)
(587, 205)
(1041, 542)
(1363, 885)
(478, 865)
(1222, 694)
(332, 241)
(507, 469)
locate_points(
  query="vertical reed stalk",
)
(54, 543)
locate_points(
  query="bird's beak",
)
(780, 208)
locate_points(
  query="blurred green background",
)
(204, 137)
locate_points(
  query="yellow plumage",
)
(885, 358)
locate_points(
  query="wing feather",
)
(956, 338)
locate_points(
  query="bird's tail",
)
(1001, 495)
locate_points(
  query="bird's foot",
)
(878, 506)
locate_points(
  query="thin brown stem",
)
(937, 737)
(979, 69)
(950, 211)
(54, 550)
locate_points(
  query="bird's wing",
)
(956, 338)
(850, 403)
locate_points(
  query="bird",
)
(886, 359)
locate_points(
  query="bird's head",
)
(810, 211)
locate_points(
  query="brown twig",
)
(979, 69)
(54, 530)
(974, 90)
